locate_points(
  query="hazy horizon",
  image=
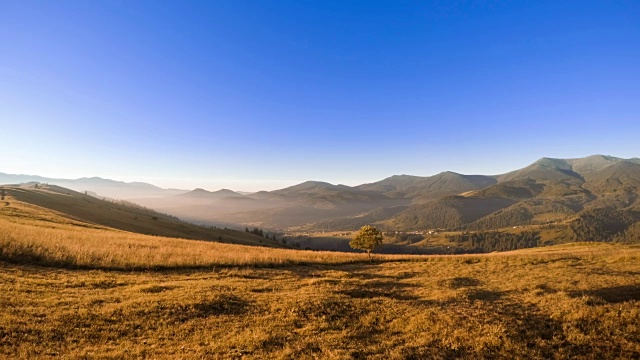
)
(263, 95)
(265, 185)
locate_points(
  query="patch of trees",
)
(519, 189)
(255, 231)
(503, 218)
(630, 236)
(426, 216)
(482, 242)
(605, 225)
(259, 232)
(553, 227)
(521, 214)
(545, 206)
(409, 238)
(449, 213)
(129, 204)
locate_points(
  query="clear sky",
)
(255, 95)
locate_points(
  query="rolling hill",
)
(561, 191)
(431, 187)
(548, 191)
(319, 205)
(124, 215)
(293, 207)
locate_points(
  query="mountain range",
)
(547, 191)
(105, 188)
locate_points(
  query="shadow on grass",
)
(390, 290)
(459, 282)
(550, 260)
(615, 294)
(610, 272)
(218, 305)
(544, 289)
(368, 272)
(156, 289)
(98, 284)
(485, 295)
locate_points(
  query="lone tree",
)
(368, 239)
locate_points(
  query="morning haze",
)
(301, 180)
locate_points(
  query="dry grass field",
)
(35, 235)
(73, 290)
(123, 216)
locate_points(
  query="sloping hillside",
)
(299, 205)
(548, 189)
(620, 177)
(449, 213)
(429, 188)
(124, 216)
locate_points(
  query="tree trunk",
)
(369, 253)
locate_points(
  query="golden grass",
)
(584, 304)
(90, 210)
(571, 301)
(30, 234)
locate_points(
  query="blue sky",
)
(255, 95)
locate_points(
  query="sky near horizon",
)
(259, 95)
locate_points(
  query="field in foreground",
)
(73, 289)
(576, 301)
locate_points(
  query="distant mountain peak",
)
(450, 173)
(401, 176)
(226, 191)
(607, 157)
(544, 169)
(200, 190)
(597, 157)
(316, 183)
(553, 163)
(305, 186)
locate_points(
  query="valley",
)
(559, 200)
(549, 191)
(84, 277)
(552, 201)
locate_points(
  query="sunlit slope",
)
(31, 234)
(549, 190)
(125, 216)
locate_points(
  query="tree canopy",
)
(367, 239)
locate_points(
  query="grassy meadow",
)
(70, 289)
(124, 216)
(35, 235)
